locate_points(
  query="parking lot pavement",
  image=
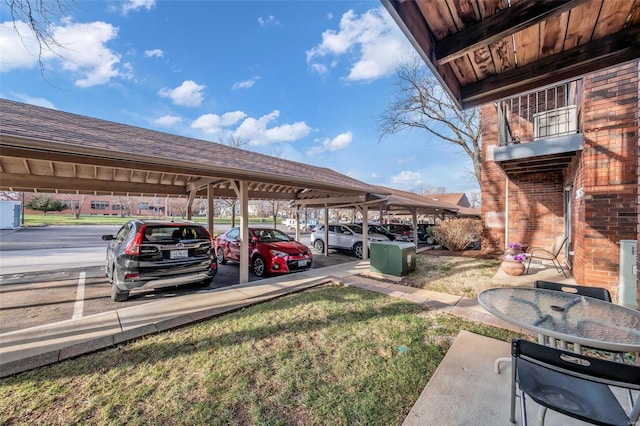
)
(56, 273)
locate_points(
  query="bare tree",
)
(75, 203)
(235, 142)
(420, 103)
(10, 195)
(40, 17)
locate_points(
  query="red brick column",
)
(608, 185)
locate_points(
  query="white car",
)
(343, 236)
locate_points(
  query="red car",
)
(270, 251)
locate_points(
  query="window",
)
(99, 205)
(143, 206)
(116, 207)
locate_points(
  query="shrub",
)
(46, 203)
(458, 234)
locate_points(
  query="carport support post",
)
(192, 196)
(210, 208)
(241, 188)
(365, 232)
(326, 230)
(414, 220)
(297, 223)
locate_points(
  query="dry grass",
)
(326, 356)
(453, 273)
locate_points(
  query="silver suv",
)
(343, 236)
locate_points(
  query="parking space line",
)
(78, 307)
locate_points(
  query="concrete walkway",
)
(34, 347)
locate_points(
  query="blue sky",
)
(305, 80)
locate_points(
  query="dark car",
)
(404, 230)
(425, 233)
(146, 253)
(270, 251)
(380, 229)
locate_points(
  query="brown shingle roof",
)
(51, 140)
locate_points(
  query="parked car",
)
(270, 251)
(152, 253)
(425, 233)
(343, 236)
(405, 230)
(381, 229)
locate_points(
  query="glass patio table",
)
(565, 317)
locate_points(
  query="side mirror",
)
(108, 237)
(253, 241)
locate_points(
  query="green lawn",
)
(326, 356)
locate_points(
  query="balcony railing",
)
(544, 114)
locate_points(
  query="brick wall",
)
(609, 171)
(602, 179)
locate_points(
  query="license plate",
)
(302, 263)
(178, 254)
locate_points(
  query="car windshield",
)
(271, 235)
(356, 228)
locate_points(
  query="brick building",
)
(563, 160)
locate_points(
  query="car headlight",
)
(277, 253)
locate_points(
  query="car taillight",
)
(133, 248)
(131, 276)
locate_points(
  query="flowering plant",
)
(520, 257)
(518, 246)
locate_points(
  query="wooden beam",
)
(330, 201)
(617, 48)
(50, 183)
(503, 24)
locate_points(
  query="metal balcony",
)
(540, 131)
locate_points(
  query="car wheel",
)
(259, 267)
(319, 246)
(429, 240)
(357, 250)
(220, 256)
(117, 295)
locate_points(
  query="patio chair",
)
(544, 254)
(595, 292)
(572, 384)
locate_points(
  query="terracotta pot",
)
(512, 267)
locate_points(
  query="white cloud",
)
(372, 38)
(168, 120)
(130, 5)
(154, 53)
(80, 48)
(256, 131)
(213, 123)
(405, 160)
(406, 179)
(246, 84)
(189, 93)
(45, 103)
(339, 142)
(269, 20)
(19, 46)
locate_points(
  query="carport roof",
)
(53, 151)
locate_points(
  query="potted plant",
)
(513, 259)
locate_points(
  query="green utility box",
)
(392, 258)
